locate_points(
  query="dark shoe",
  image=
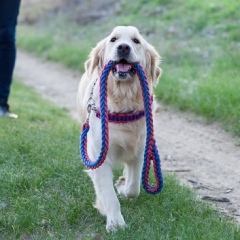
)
(4, 112)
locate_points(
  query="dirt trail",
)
(202, 156)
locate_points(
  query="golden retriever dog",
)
(125, 45)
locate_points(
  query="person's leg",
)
(8, 21)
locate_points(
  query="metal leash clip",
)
(91, 103)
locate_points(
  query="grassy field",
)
(44, 193)
(199, 42)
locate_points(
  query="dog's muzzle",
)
(123, 70)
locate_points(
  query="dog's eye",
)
(113, 39)
(136, 40)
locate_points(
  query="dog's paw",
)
(128, 192)
(113, 224)
(120, 186)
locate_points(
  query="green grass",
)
(199, 42)
(44, 193)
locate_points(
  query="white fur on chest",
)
(126, 140)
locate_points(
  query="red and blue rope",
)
(104, 124)
(151, 154)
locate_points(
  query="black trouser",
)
(8, 20)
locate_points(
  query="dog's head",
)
(125, 45)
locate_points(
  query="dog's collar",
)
(123, 117)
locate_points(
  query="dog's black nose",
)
(123, 50)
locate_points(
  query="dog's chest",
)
(127, 143)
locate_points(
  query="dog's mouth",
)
(123, 70)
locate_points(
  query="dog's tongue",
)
(123, 67)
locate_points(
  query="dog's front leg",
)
(107, 202)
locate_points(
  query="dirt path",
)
(203, 156)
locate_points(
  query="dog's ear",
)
(155, 59)
(96, 58)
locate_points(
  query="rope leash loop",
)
(104, 124)
(151, 154)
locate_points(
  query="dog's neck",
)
(124, 96)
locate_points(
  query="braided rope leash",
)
(104, 124)
(151, 152)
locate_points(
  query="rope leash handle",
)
(151, 152)
(104, 124)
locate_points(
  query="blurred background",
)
(199, 42)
